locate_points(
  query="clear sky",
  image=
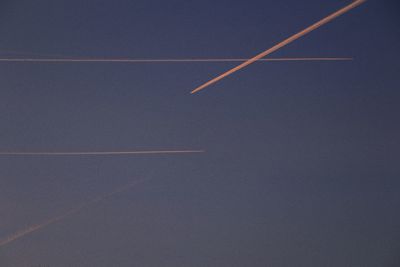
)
(302, 158)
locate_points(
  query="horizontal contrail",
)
(100, 153)
(282, 44)
(42, 225)
(132, 60)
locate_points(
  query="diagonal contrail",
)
(184, 60)
(282, 44)
(100, 153)
(70, 212)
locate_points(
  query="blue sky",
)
(301, 164)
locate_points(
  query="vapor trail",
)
(282, 44)
(187, 60)
(42, 225)
(99, 153)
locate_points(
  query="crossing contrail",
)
(68, 213)
(282, 44)
(184, 60)
(100, 153)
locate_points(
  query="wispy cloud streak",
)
(37, 227)
(282, 44)
(100, 153)
(184, 60)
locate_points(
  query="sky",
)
(301, 159)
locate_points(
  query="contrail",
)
(282, 44)
(42, 225)
(100, 153)
(187, 60)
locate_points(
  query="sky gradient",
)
(301, 163)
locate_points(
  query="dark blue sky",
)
(302, 162)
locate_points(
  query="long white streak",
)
(282, 44)
(99, 153)
(187, 60)
(70, 212)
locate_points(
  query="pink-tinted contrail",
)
(99, 153)
(184, 60)
(282, 44)
(42, 225)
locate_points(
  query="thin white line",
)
(37, 227)
(99, 153)
(281, 44)
(187, 60)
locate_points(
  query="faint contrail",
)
(99, 153)
(133, 60)
(282, 44)
(37, 227)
